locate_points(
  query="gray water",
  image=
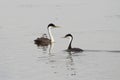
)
(95, 26)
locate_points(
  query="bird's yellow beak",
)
(63, 37)
(57, 26)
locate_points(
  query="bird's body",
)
(70, 49)
(74, 50)
(44, 40)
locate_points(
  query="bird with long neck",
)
(70, 49)
(49, 31)
(70, 41)
(44, 40)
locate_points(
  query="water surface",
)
(94, 25)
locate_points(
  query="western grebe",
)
(70, 49)
(44, 40)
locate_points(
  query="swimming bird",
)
(70, 49)
(44, 40)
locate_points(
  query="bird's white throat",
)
(70, 38)
(50, 34)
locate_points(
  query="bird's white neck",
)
(50, 34)
(70, 42)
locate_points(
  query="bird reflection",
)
(70, 65)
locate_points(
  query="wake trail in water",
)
(113, 51)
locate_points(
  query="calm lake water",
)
(95, 26)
